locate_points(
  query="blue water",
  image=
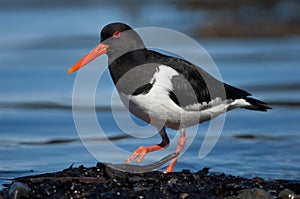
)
(38, 44)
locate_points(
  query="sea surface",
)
(38, 43)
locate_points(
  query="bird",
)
(163, 90)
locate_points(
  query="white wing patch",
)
(239, 103)
(163, 76)
(205, 105)
(157, 103)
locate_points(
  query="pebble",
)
(18, 190)
(173, 181)
(254, 193)
(184, 196)
(287, 194)
(258, 179)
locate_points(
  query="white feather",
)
(204, 105)
(163, 76)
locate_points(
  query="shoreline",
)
(103, 181)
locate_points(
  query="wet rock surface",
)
(102, 181)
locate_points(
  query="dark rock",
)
(287, 194)
(114, 173)
(258, 179)
(254, 193)
(18, 190)
(183, 196)
(173, 181)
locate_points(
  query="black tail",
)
(236, 93)
(256, 105)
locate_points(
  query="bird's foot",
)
(181, 143)
(141, 152)
(171, 166)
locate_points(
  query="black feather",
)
(257, 105)
(143, 89)
(174, 98)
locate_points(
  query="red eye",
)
(117, 34)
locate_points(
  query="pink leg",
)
(141, 152)
(181, 143)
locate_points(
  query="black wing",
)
(194, 85)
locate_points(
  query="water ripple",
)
(57, 141)
(53, 106)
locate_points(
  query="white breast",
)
(156, 103)
(163, 77)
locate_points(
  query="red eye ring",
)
(117, 34)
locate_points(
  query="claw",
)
(171, 166)
(141, 152)
(169, 169)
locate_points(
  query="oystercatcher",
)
(163, 90)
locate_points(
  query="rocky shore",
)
(102, 181)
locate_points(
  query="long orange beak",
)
(100, 49)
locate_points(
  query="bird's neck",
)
(116, 52)
(124, 63)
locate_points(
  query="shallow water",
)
(37, 130)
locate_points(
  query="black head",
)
(117, 39)
(121, 39)
(109, 30)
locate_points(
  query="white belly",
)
(157, 108)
